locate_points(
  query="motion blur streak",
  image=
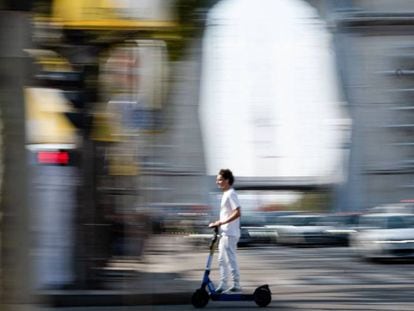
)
(116, 116)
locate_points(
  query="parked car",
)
(314, 229)
(254, 229)
(297, 229)
(384, 235)
(340, 227)
(400, 207)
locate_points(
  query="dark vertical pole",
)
(90, 240)
(15, 36)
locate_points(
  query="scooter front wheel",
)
(200, 298)
(262, 296)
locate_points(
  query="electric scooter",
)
(261, 296)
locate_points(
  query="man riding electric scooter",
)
(229, 224)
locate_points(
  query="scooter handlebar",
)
(215, 229)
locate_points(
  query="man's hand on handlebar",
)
(215, 224)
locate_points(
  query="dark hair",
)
(227, 174)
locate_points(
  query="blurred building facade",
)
(374, 58)
(371, 41)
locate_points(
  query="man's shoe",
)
(233, 290)
(221, 288)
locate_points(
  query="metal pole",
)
(15, 278)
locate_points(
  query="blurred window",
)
(387, 222)
(398, 222)
(373, 222)
(395, 223)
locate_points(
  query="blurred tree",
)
(42, 7)
(17, 5)
(313, 202)
(191, 15)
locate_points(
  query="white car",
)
(299, 230)
(384, 235)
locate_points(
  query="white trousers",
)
(227, 260)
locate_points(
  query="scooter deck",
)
(232, 297)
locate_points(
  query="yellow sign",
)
(79, 10)
(113, 14)
(46, 122)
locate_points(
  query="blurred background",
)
(116, 116)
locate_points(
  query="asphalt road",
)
(299, 278)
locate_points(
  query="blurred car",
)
(400, 207)
(314, 229)
(340, 228)
(298, 229)
(256, 235)
(254, 229)
(384, 235)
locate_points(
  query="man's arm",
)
(234, 215)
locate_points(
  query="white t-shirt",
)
(229, 202)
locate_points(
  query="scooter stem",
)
(214, 239)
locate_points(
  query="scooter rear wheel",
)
(200, 298)
(262, 296)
